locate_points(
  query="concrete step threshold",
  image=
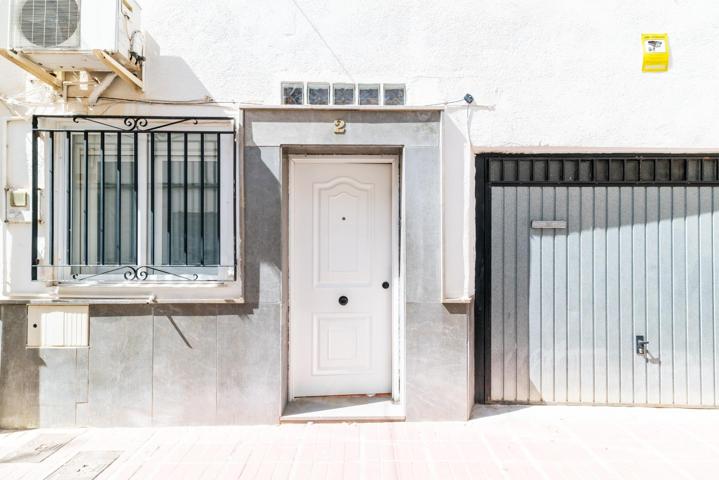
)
(343, 408)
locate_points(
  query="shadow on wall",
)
(113, 382)
(164, 364)
(601, 208)
(19, 371)
(492, 410)
(168, 78)
(263, 224)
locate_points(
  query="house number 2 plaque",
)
(340, 127)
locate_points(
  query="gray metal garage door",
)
(633, 258)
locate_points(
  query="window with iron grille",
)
(128, 199)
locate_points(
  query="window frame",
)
(50, 196)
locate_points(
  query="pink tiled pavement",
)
(499, 442)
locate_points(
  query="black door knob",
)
(343, 300)
(385, 285)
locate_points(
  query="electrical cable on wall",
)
(110, 102)
(210, 101)
(469, 99)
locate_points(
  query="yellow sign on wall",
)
(656, 52)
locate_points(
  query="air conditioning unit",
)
(61, 35)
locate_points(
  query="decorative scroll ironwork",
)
(133, 124)
(137, 273)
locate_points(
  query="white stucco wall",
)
(560, 75)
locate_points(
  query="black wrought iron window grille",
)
(133, 199)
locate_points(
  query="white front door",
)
(340, 278)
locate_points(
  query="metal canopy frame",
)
(108, 126)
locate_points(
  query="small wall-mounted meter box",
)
(17, 206)
(655, 48)
(18, 198)
(58, 326)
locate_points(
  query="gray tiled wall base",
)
(120, 367)
(161, 365)
(19, 371)
(437, 362)
(37, 387)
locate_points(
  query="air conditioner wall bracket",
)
(32, 68)
(116, 67)
(56, 82)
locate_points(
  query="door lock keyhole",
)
(385, 285)
(343, 300)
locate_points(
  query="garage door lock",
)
(641, 345)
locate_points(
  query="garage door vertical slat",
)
(706, 305)
(509, 293)
(679, 309)
(535, 300)
(573, 295)
(666, 297)
(693, 346)
(523, 235)
(600, 294)
(497, 323)
(547, 297)
(613, 296)
(639, 291)
(587, 295)
(653, 289)
(560, 298)
(626, 343)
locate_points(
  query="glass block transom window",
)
(319, 93)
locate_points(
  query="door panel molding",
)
(326, 361)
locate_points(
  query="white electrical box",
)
(61, 35)
(58, 326)
(17, 206)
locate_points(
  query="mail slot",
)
(549, 224)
